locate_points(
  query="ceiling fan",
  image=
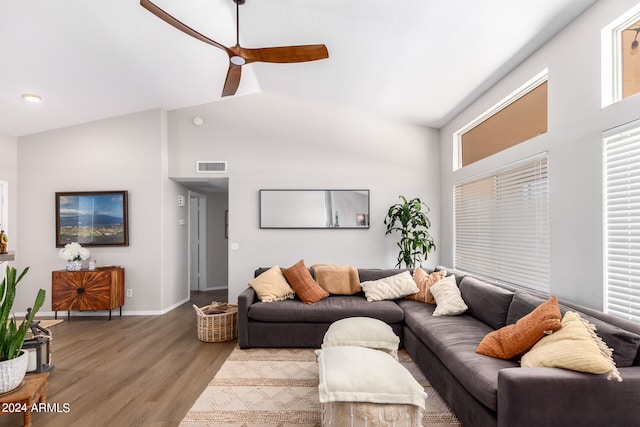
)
(238, 55)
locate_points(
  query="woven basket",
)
(217, 327)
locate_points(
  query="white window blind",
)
(622, 224)
(502, 225)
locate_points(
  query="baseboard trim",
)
(105, 313)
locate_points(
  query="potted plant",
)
(411, 220)
(13, 360)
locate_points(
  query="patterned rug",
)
(279, 387)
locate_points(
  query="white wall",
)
(274, 142)
(121, 153)
(574, 143)
(9, 173)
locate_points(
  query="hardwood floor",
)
(130, 371)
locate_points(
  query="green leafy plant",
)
(411, 220)
(12, 336)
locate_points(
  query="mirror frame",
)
(366, 218)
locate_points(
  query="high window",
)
(621, 57)
(622, 221)
(502, 225)
(519, 117)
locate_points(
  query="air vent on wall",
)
(211, 166)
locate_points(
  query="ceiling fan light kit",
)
(238, 55)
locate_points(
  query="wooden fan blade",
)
(286, 54)
(179, 24)
(232, 81)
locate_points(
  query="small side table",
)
(33, 390)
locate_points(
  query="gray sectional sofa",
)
(481, 390)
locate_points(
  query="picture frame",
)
(92, 218)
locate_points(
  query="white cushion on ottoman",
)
(362, 332)
(359, 374)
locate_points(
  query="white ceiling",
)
(418, 61)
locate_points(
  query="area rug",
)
(279, 387)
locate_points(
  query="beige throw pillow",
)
(272, 286)
(392, 287)
(449, 302)
(574, 346)
(337, 279)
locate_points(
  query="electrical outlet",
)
(129, 293)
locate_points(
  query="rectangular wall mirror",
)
(314, 208)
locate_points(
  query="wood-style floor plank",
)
(130, 371)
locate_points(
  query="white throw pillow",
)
(362, 332)
(392, 287)
(358, 374)
(449, 302)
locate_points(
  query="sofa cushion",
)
(328, 310)
(301, 281)
(448, 299)
(514, 340)
(271, 285)
(424, 281)
(391, 287)
(368, 274)
(454, 340)
(486, 302)
(362, 332)
(625, 344)
(576, 346)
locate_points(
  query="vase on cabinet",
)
(74, 265)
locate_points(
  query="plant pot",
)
(12, 371)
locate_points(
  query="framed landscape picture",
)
(92, 218)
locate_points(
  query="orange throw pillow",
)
(301, 281)
(516, 339)
(424, 282)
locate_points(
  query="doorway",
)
(207, 248)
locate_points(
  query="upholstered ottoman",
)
(363, 387)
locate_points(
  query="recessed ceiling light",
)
(31, 97)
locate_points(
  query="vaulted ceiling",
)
(418, 61)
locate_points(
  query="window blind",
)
(502, 225)
(622, 224)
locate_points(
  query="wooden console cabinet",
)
(87, 290)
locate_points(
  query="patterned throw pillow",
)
(514, 340)
(392, 287)
(424, 282)
(272, 286)
(575, 346)
(301, 281)
(449, 302)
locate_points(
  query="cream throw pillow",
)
(424, 282)
(362, 332)
(392, 287)
(358, 374)
(574, 346)
(272, 286)
(449, 302)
